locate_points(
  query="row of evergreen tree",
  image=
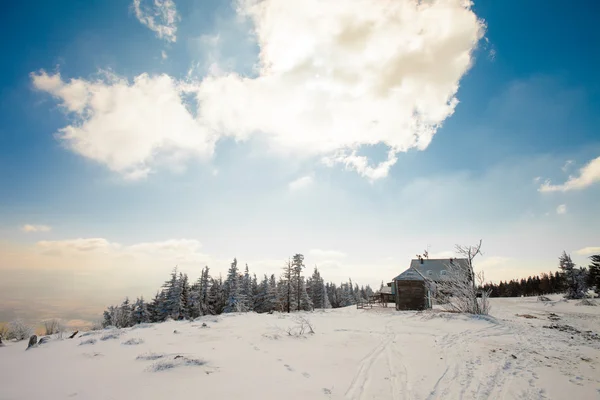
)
(240, 292)
(569, 279)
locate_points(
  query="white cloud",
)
(561, 209)
(58, 247)
(173, 250)
(300, 183)
(160, 16)
(318, 253)
(164, 55)
(35, 228)
(333, 76)
(587, 251)
(128, 126)
(588, 175)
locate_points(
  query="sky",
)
(139, 135)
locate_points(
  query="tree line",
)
(569, 279)
(179, 299)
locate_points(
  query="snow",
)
(373, 353)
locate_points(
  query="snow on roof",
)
(386, 290)
(410, 274)
(433, 268)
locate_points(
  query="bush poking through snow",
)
(111, 335)
(18, 330)
(133, 342)
(88, 341)
(302, 327)
(150, 356)
(142, 326)
(178, 361)
(53, 326)
(586, 302)
(543, 298)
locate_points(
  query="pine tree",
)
(185, 299)
(140, 312)
(298, 266)
(286, 281)
(204, 289)
(575, 284)
(594, 273)
(304, 301)
(326, 302)
(172, 291)
(233, 290)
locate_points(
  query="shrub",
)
(18, 330)
(53, 326)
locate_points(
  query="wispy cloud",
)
(159, 16)
(35, 228)
(327, 254)
(588, 175)
(300, 183)
(567, 165)
(561, 209)
(319, 92)
(587, 251)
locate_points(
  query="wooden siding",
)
(411, 295)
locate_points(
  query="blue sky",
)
(266, 165)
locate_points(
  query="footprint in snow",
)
(289, 368)
(306, 374)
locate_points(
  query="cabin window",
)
(429, 273)
(443, 273)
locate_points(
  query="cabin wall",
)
(411, 295)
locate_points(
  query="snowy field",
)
(353, 354)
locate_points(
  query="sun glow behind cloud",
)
(333, 76)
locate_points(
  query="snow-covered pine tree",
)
(185, 296)
(594, 273)
(260, 298)
(272, 295)
(316, 289)
(108, 317)
(195, 307)
(246, 290)
(574, 279)
(153, 309)
(172, 291)
(305, 303)
(216, 296)
(124, 319)
(233, 290)
(285, 287)
(253, 291)
(140, 311)
(326, 302)
(204, 289)
(298, 266)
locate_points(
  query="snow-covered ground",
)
(353, 354)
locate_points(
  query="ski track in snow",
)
(354, 354)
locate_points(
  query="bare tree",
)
(458, 292)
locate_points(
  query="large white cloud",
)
(128, 126)
(333, 75)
